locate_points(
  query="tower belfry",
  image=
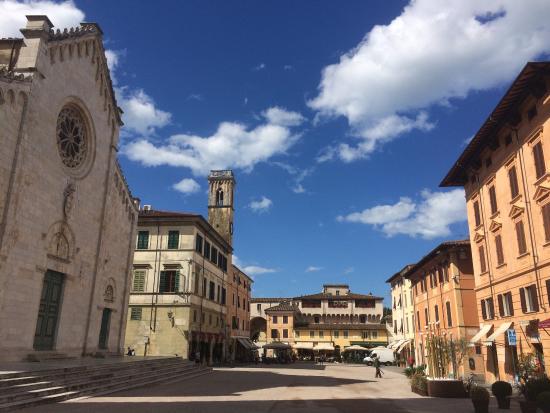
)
(220, 202)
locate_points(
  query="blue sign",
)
(511, 333)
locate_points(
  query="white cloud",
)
(252, 270)
(232, 146)
(349, 270)
(298, 175)
(282, 117)
(195, 96)
(432, 53)
(259, 67)
(141, 115)
(288, 67)
(12, 15)
(262, 205)
(312, 268)
(429, 218)
(187, 186)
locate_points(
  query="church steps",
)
(121, 377)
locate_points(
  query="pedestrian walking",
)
(377, 367)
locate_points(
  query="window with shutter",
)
(426, 315)
(493, 199)
(162, 282)
(449, 315)
(522, 299)
(477, 216)
(436, 310)
(548, 290)
(139, 281)
(538, 155)
(491, 308)
(500, 305)
(482, 263)
(520, 234)
(498, 247)
(510, 305)
(173, 240)
(513, 178)
(177, 281)
(135, 313)
(483, 310)
(143, 240)
(546, 220)
(534, 297)
(198, 243)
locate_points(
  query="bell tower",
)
(220, 202)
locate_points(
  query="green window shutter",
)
(139, 281)
(177, 282)
(162, 283)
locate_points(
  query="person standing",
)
(377, 367)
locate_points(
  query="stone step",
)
(68, 385)
(104, 389)
(90, 367)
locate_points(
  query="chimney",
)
(38, 26)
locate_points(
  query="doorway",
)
(48, 311)
(104, 331)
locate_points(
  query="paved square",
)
(295, 388)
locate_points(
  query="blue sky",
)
(339, 119)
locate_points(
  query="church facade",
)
(67, 217)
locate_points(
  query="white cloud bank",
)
(232, 146)
(12, 15)
(251, 270)
(429, 218)
(433, 52)
(312, 268)
(261, 205)
(187, 186)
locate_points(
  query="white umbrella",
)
(355, 348)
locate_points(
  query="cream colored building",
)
(181, 270)
(67, 218)
(329, 321)
(402, 305)
(505, 173)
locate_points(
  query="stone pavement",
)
(291, 389)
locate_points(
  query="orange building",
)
(444, 302)
(239, 288)
(507, 183)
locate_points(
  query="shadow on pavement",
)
(415, 405)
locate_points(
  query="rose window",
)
(72, 139)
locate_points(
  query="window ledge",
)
(523, 255)
(494, 215)
(499, 266)
(546, 244)
(543, 177)
(484, 273)
(530, 312)
(515, 199)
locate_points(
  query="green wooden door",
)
(48, 311)
(104, 331)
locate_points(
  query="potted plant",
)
(543, 401)
(531, 389)
(419, 384)
(502, 390)
(480, 399)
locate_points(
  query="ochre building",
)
(67, 218)
(505, 173)
(239, 288)
(445, 303)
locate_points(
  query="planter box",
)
(446, 388)
(418, 391)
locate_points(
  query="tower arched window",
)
(219, 197)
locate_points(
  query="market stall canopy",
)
(482, 332)
(306, 345)
(277, 346)
(498, 331)
(356, 348)
(324, 346)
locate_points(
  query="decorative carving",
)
(68, 199)
(59, 246)
(72, 137)
(109, 294)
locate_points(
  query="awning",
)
(544, 324)
(305, 345)
(276, 345)
(498, 331)
(482, 332)
(356, 348)
(402, 346)
(247, 344)
(396, 344)
(324, 346)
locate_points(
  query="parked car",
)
(385, 355)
